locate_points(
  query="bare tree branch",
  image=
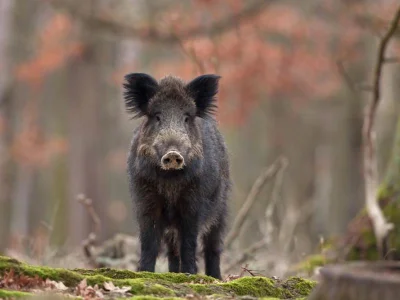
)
(152, 34)
(88, 203)
(267, 174)
(380, 225)
(269, 210)
(91, 240)
(375, 24)
(346, 77)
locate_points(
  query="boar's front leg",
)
(150, 237)
(189, 232)
(212, 250)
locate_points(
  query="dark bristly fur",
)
(178, 206)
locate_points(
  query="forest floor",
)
(21, 280)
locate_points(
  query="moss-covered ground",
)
(145, 285)
(6, 294)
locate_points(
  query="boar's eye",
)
(158, 118)
(186, 119)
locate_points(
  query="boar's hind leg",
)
(150, 237)
(212, 243)
(173, 258)
(189, 232)
(171, 240)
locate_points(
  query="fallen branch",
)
(380, 226)
(267, 174)
(251, 272)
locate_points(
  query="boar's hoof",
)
(173, 160)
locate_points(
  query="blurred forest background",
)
(289, 71)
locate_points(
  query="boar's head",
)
(170, 135)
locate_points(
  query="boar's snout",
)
(172, 160)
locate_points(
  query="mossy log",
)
(167, 285)
(359, 280)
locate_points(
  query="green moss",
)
(6, 294)
(167, 284)
(254, 286)
(311, 262)
(295, 286)
(259, 287)
(151, 298)
(366, 248)
(383, 193)
(203, 289)
(68, 277)
(125, 274)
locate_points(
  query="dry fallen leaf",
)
(13, 281)
(123, 289)
(55, 285)
(83, 284)
(109, 286)
(231, 277)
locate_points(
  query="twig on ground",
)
(267, 174)
(380, 226)
(243, 270)
(248, 271)
(251, 272)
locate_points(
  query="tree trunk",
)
(5, 108)
(23, 18)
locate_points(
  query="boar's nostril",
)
(172, 160)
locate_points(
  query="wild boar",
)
(178, 171)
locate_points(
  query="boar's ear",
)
(138, 89)
(203, 90)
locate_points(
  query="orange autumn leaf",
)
(30, 147)
(56, 46)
